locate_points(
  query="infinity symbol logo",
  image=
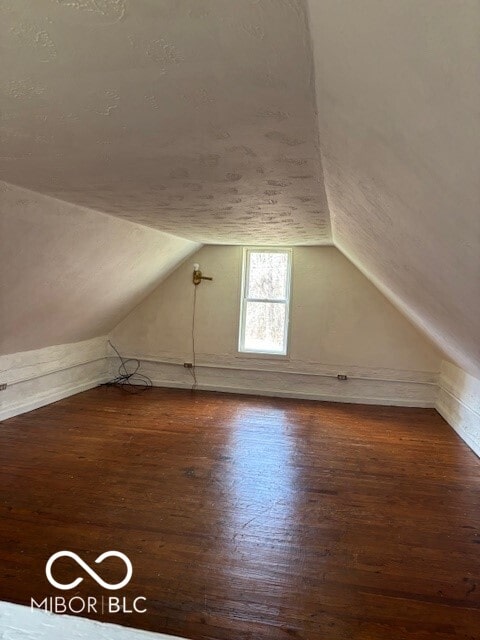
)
(87, 569)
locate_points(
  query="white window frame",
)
(247, 251)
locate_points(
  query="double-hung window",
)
(265, 301)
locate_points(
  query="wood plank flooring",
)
(248, 518)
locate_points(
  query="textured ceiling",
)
(399, 117)
(192, 117)
(198, 117)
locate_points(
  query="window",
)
(265, 301)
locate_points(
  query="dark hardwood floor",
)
(247, 517)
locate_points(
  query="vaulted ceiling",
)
(266, 122)
(196, 118)
(70, 273)
(399, 117)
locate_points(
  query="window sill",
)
(248, 355)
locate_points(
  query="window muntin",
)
(265, 301)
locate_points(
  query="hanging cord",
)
(193, 370)
(130, 381)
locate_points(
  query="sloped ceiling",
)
(399, 115)
(199, 119)
(70, 274)
(196, 118)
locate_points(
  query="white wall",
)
(340, 324)
(39, 377)
(398, 104)
(458, 402)
(68, 275)
(23, 623)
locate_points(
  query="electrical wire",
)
(130, 381)
(193, 370)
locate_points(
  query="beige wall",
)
(68, 273)
(338, 316)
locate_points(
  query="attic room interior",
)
(240, 320)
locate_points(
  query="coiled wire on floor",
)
(130, 381)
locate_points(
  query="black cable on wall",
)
(193, 370)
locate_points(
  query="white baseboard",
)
(37, 378)
(54, 396)
(412, 391)
(458, 402)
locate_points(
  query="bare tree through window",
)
(266, 293)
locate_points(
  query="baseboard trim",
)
(460, 417)
(51, 374)
(296, 395)
(458, 402)
(289, 384)
(49, 398)
(250, 363)
(37, 378)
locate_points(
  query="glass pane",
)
(265, 327)
(268, 276)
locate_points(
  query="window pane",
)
(268, 275)
(265, 327)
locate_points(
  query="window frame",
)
(241, 350)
